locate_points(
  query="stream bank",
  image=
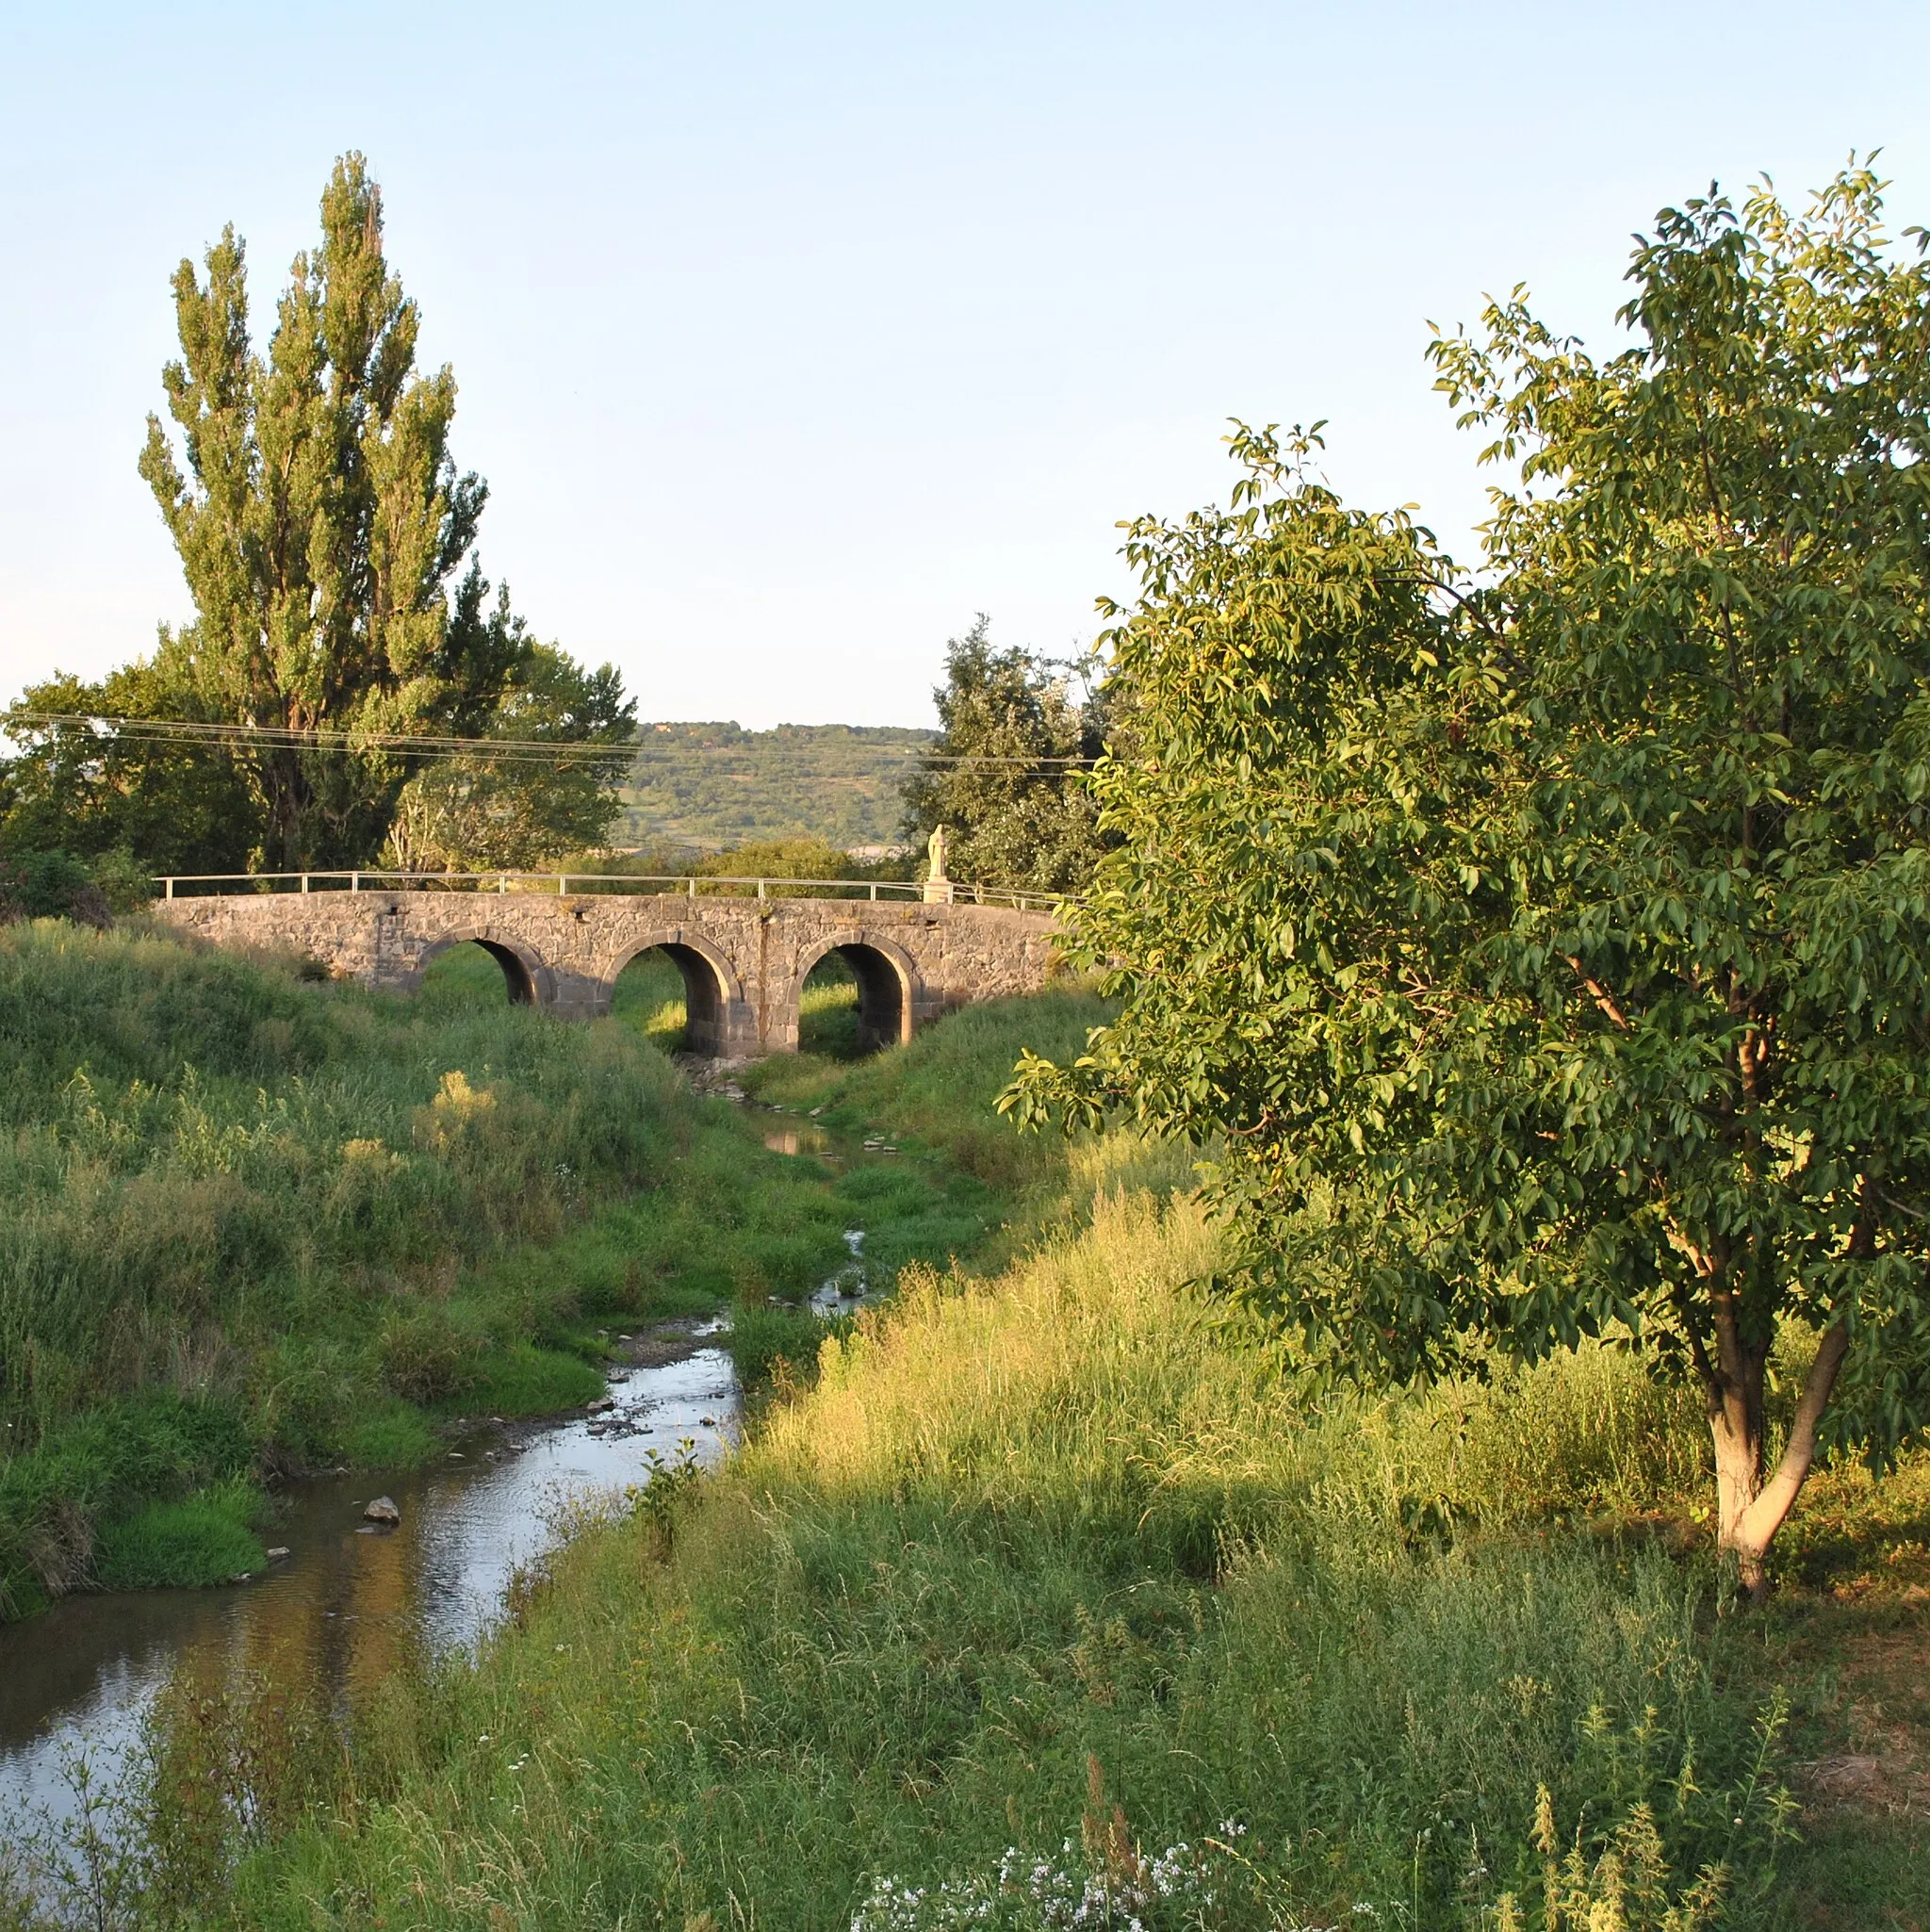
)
(350, 1603)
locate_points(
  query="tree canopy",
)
(90, 791)
(1007, 775)
(329, 547)
(1548, 946)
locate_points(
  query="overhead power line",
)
(320, 738)
(193, 731)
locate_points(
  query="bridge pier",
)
(743, 961)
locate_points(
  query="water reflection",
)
(345, 1604)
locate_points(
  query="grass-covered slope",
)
(1066, 1562)
(1037, 1548)
(248, 1220)
(712, 785)
(938, 1092)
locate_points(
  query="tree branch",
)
(1764, 1517)
(1698, 1349)
(1600, 994)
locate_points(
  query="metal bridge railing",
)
(948, 891)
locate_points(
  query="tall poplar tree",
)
(321, 523)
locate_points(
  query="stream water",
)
(346, 1598)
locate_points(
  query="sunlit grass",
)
(1009, 1540)
(1063, 1519)
(649, 997)
(827, 1010)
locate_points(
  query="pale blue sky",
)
(788, 337)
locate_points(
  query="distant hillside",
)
(715, 785)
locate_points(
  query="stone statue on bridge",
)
(938, 886)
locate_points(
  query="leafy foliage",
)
(478, 811)
(322, 524)
(88, 790)
(1006, 777)
(1550, 947)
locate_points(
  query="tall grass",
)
(300, 1209)
(938, 1091)
(1040, 1546)
(201, 1149)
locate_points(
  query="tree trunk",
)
(281, 788)
(1735, 1421)
(1749, 1510)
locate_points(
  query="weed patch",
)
(208, 1537)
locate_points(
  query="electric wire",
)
(430, 746)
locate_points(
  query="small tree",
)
(1007, 776)
(1552, 950)
(91, 790)
(321, 524)
(568, 735)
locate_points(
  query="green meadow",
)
(1049, 1592)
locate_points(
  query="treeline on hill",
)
(88, 814)
(709, 787)
(1006, 773)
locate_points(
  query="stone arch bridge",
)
(744, 961)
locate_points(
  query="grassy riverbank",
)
(1060, 1559)
(1060, 1562)
(252, 1222)
(255, 1224)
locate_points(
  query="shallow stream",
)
(348, 1597)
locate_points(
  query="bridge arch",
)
(524, 976)
(890, 991)
(712, 996)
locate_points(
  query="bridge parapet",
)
(743, 960)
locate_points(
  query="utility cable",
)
(646, 758)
